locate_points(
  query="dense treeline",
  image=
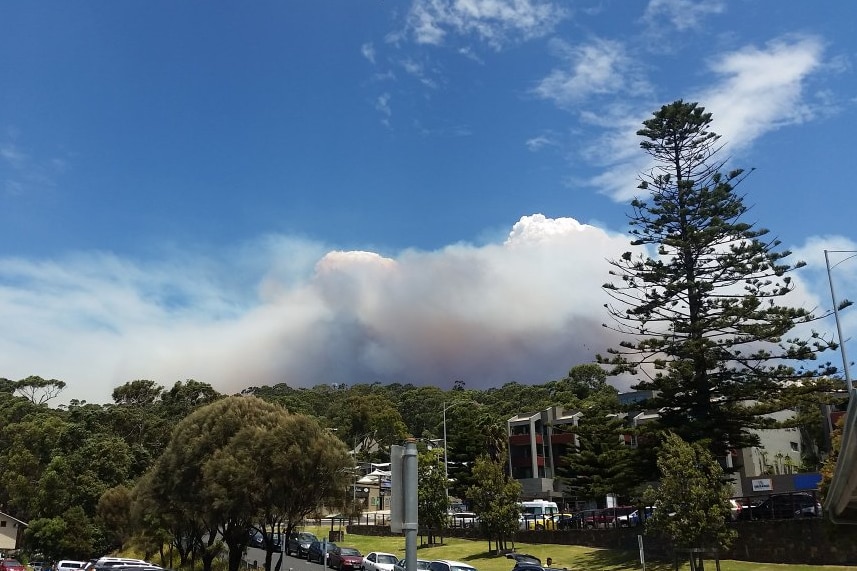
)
(74, 472)
(70, 470)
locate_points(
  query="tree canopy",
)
(698, 299)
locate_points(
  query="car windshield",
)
(387, 559)
(9, 562)
(348, 551)
(304, 536)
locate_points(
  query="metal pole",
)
(411, 506)
(845, 370)
(445, 461)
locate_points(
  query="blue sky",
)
(350, 191)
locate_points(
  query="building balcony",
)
(522, 439)
(562, 438)
(527, 461)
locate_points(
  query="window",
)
(795, 446)
(3, 523)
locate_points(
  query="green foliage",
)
(433, 505)
(241, 463)
(494, 498)
(692, 500)
(700, 313)
(69, 535)
(602, 463)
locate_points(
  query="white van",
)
(537, 514)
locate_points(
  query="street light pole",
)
(839, 326)
(445, 459)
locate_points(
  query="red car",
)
(11, 565)
(343, 558)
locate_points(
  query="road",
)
(289, 562)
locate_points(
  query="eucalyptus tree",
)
(242, 463)
(700, 309)
(494, 498)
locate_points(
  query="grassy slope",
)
(573, 557)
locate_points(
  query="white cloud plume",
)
(526, 309)
(280, 310)
(495, 22)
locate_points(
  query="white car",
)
(448, 565)
(379, 561)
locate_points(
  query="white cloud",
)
(526, 309)
(539, 142)
(599, 67)
(368, 51)
(13, 155)
(683, 14)
(495, 22)
(382, 104)
(762, 88)
(757, 90)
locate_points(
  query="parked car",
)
(463, 519)
(524, 560)
(605, 517)
(316, 551)
(565, 521)
(379, 561)
(11, 565)
(783, 506)
(633, 519)
(38, 565)
(422, 565)
(114, 561)
(537, 522)
(299, 542)
(342, 558)
(449, 565)
(68, 565)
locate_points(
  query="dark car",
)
(524, 560)
(299, 542)
(783, 506)
(344, 558)
(605, 517)
(316, 552)
(565, 521)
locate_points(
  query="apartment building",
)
(539, 440)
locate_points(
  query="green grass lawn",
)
(573, 557)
